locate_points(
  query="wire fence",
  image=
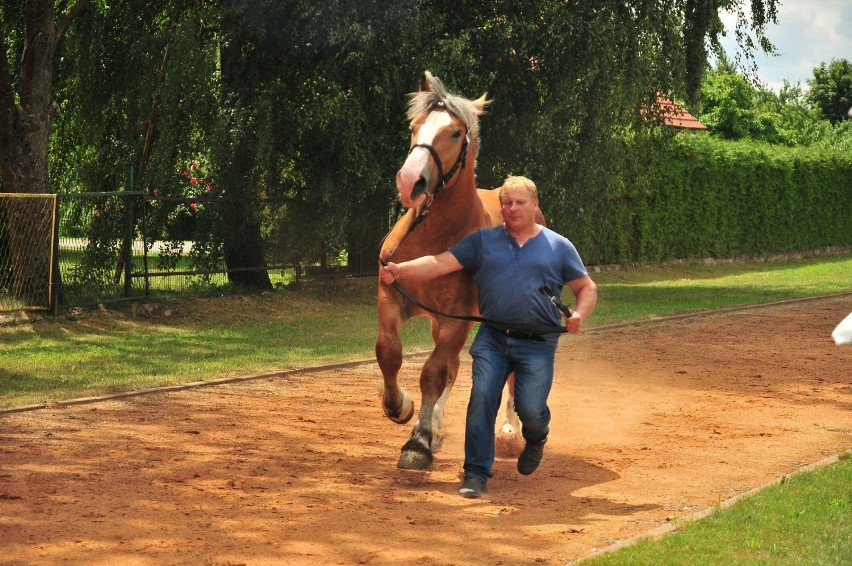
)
(27, 245)
(96, 261)
(68, 250)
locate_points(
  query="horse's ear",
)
(481, 102)
(426, 82)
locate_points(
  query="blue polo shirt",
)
(509, 277)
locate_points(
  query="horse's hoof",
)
(508, 429)
(405, 413)
(415, 453)
(437, 442)
(414, 460)
(508, 446)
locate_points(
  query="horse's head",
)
(444, 140)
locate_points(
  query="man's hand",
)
(426, 267)
(586, 297)
(574, 322)
(389, 273)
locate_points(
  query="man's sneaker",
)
(530, 458)
(472, 487)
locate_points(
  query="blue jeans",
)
(495, 356)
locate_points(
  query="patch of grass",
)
(92, 354)
(804, 520)
(126, 347)
(648, 292)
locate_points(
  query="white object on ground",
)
(843, 333)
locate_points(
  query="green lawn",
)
(806, 520)
(98, 351)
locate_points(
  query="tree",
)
(831, 89)
(27, 106)
(304, 102)
(702, 25)
(735, 108)
(27, 110)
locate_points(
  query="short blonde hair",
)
(519, 182)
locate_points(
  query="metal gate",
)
(66, 250)
(28, 233)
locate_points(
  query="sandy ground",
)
(652, 422)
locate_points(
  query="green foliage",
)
(728, 105)
(733, 108)
(831, 90)
(303, 104)
(697, 197)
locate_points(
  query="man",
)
(511, 264)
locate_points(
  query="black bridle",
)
(460, 162)
(443, 179)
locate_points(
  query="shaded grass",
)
(95, 351)
(91, 352)
(54, 364)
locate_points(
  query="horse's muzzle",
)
(414, 178)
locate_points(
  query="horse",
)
(442, 208)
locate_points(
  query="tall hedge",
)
(693, 196)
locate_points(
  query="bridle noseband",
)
(460, 162)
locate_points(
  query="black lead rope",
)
(501, 325)
(498, 324)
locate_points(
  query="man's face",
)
(518, 208)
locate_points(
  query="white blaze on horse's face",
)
(419, 173)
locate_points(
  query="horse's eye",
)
(457, 134)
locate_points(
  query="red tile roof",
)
(674, 115)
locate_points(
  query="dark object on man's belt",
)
(524, 335)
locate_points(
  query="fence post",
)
(144, 234)
(128, 231)
(53, 282)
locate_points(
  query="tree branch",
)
(68, 17)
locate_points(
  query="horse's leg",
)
(436, 379)
(441, 403)
(509, 443)
(438, 419)
(511, 423)
(396, 402)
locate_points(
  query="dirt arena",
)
(652, 422)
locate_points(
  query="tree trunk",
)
(244, 248)
(243, 242)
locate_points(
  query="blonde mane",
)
(436, 94)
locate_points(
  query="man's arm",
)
(586, 297)
(426, 267)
